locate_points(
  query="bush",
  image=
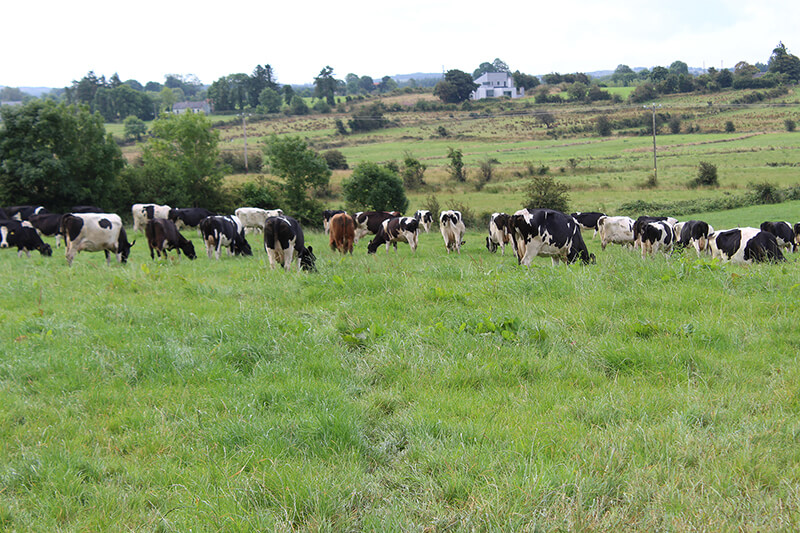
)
(375, 187)
(456, 166)
(790, 124)
(603, 126)
(235, 160)
(368, 118)
(674, 125)
(321, 106)
(706, 176)
(543, 192)
(765, 193)
(335, 160)
(729, 127)
(413, 172)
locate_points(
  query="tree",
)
(603, 126)
(376, 188)
(180, 163)
(301, 169)
(366, 84)
(456, 87)
(269, 100)
(288, 94)
(56, 155)
(526, 81)
(623, 75)
(413, 171)
(325, 85)
(262, 78)
(456, 166)
(782, 62)
(498, 65)
(658, 74)
(351, 83)
(298, 106)
(743, 69)
(678, 68)
(387, 84)
(578, 91)
(134, 127)
(543, 192)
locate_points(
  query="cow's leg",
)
(271, 257)
(288, 254)
(108, 257)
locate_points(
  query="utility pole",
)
(244, 127)
(655, 161)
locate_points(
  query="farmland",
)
(421, 391)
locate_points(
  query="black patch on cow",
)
(728, 242)
(588, 219)
(763, 247)
(105, 223)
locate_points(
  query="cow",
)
(342, 230)
(188, 216)
(26, 239)
(425, 219)
(253, 218)
(48, 224)
(224, 230)
(24, 212)
(498, 232)
(284, 242)
(694, 233)
(163, 235)
(92, 232)
(549, 233)
(394, 230)
(642, 221)
(143, 212)
(615, 230)
(745, 245)
(370, 222)
(452, 227)
(656, 236)
(588, 220)
(327, 215)
(797, 234)
(784, 234)
(86, 209)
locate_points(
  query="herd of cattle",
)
(530, 232)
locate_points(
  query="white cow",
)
(93, 232)
(253, 218)
(616, 230)
(144, 212)
(453, 229)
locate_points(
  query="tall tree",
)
(262, 78)
(456, 87)
(525, 81)
(325, 85)
(782, 62)
(498, 65)
(56, 155)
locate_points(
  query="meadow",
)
(427, 391)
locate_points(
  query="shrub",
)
(485, 172)
(368, 118)
(340, 129)
(674, 125)
(729, 127)
(321, 106)
(413, 172)
(765, 193)
(456, 166)
(603, 126)
(235, 160)
(790, 124)
(706, 176)
(335, 160)
(375, 187)
(545, 192)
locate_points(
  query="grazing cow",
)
(188, 216)
(253, 218)
(394, 230)
(499, 234)
(745, 245)
(657, 236)
(86, 209)
(163, 235)
(224, 230)
(144, 212)
(24, 212)
(615, 230)
(48, 224)
(370, 222)
(92, 232)
(549, 233)
(284, 242)
(452, 227)
(327, 215)
(784, 234)
(642, 221)
(694, 233)
(26, 239)
(588, 220)
(425, 219)
(342, 231)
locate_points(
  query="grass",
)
(399, 392)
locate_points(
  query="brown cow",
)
(163, 235)
(342, 231)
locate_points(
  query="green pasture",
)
(400, 391)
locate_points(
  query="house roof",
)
(189, 105)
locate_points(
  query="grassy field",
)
(401, 392)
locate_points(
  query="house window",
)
(506, 93)
(490, 93)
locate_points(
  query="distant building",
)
(495, 85)
(192, 107)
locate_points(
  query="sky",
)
(50, 43)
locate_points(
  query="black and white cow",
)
(284, 242)
(48, 224)
(425, 219)
(588, 220)
(141, 213)
(784, 233)
(549, 233)
(227, 231)
(656, 236)
(615, 230)
(499, 234)
(693, 233)
(163, 235)
(23, 236)
(640, 223)
(370, 222)
(92, 232)
(745, 245)
(24, 212)
(327, 215)
(253, 218)
(451, 224)
(394, 230)
(189, 216)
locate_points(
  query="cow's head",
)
(123, 246)
(5, 233)
(187, 247)
(242, 247)
(372, 246)
(308, 261)
(45, 249)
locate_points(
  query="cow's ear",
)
(310, 250)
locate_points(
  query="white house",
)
(496, 84)
(192, 107)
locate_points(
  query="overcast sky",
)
(50, 43)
